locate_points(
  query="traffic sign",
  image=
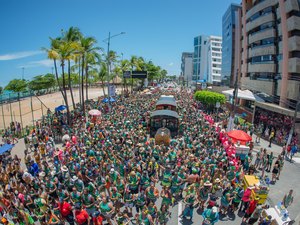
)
(127, 74)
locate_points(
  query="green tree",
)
(209, 98)
(16, 85)
(1, 90)
(72, 35)
(87, 51)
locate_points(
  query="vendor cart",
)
(279, 215)
(261, 191)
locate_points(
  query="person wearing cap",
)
(246, 198)
(266, 221)
(210, 216)
(203, 193)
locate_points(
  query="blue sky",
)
(158, 30)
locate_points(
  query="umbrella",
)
(110, 100)
(66, 137)
(239, 135)
(60, 108)
(94, 112)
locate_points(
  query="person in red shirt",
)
(66, 211)
(81, 215)
(251, 207)
(97, 218)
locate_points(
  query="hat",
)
(42, 174)
(53, 173)
(217, 180)
(269, 217)
(214, 209)
(112, 170)
(74, 178)
(251, 187)
(64, 169)
(207, 184)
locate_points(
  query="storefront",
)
(270, 116)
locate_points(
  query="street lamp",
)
(108, 61)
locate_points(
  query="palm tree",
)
(71, 36)
(102, 73)
(124, 66)
(87, 50)
(61, 50)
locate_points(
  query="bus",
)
(165, 115)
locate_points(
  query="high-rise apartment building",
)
(187, 66)
(270, 49)
(207, 59)
(230, 23)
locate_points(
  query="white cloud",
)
(171, 64)
(19, 55)
(39, 63)
(44, 62)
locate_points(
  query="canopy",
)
(244, 94)
(111, 99)
(166, 102)
(164, 113)
(60, 108)
(239, 135)
(6, 147)
(94, 112)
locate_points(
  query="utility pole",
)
(23, 73)
(235, 92)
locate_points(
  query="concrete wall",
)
(257, 85)
(267, 50)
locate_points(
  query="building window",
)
(262, 59)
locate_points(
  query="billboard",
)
(139, 74)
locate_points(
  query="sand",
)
(39, 106)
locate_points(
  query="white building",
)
(207, 59)
(187, 66)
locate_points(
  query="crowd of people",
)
(274, 127)
(109, 169)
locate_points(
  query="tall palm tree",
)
(61, 50)
(124, 66)
(87, 49)
(72, 35)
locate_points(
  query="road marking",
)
(179, 212)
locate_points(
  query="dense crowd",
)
(109, 169)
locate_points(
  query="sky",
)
(158, 30)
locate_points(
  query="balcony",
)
(259, 21)
(291, 5)
(260, 7)
(294, 43)
(294, 65)
(258, 85)
(261, 67)
(293, 23)
(267, 50)
(262, 35)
